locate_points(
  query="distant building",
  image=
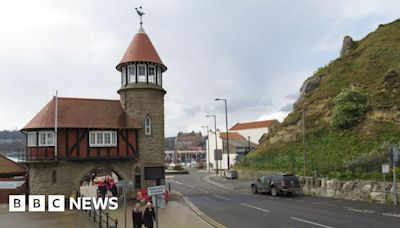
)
(238, 147)
(190, 146)
(12, 179)
(254, 130)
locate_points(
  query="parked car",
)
(276, 184)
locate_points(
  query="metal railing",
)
(103, 219)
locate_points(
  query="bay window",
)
(142, 73)
(132, 74)
(152, 76)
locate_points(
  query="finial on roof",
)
(140, 13)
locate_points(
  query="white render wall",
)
(223, 164)
(255, 133)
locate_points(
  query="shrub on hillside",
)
(350, 105)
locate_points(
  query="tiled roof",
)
(140, 49)
(83, 113)
(10, 167)
(252, 125)
(232, 136)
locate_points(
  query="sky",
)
(254, 53)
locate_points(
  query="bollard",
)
(169, 187)
(100, 218)
(107, 219)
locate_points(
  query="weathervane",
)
(140, 13)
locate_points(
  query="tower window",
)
(152, 76)
(142, 73)
(147, 125)
(132, 74)
(123, 75)
(158, 75)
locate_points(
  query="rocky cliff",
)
(372, 65)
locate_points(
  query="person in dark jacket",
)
(149, 216)
(137, 216)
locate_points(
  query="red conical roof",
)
(140, 49)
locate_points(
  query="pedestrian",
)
(137, 216)
(149, 216)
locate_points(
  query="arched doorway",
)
(99, 182)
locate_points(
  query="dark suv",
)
(276, 184)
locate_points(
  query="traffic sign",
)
(395, 153)
(385, 168)
(156, 190)
(126, 184)
(218, 155)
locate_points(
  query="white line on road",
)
(360, 210)
(221, 197)
(201, 190)
(254, 207)
(309, 222)
(190, 186)
(178, 182)
(300, 201)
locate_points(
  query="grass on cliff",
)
(335, 152)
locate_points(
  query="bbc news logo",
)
(56, 203)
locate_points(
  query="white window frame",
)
(98, 139)
(123, 75)
(152, 77)
(147, 125)
(32, 139)
(48, 137)
(159, 75)
(132, 73)
(141, 78)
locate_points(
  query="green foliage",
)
(350, 105)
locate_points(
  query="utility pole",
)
(226, 125)
(208, 148)
(304, 142)
(216, 141)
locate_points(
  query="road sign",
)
(217, 155)
(395, 153)
(154, 173)
(126, 184)
(156, 190)
(385, 168)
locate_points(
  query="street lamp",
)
(216, 142)
(226, 125)
(208, 148)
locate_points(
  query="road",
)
(241, 208)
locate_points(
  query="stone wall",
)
(353, 190)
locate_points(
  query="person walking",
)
(137, 216)
(149, 216)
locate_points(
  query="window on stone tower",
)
(123, 75)
(152, 76)
(132, 74)
(147, 125)
(142, 73)
(158, 75)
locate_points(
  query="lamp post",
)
(216, 142)
(208, 148)
(226, 125)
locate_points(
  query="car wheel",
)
(254, 189)
(274, 192)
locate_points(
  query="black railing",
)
(103, 219)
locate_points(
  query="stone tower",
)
(142, 96)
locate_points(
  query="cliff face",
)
(373, 66)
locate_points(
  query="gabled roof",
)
(252, 125)
(8, 166)
(232, 136)
(140, 49)
(83, 113)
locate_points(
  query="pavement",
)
(230, 203)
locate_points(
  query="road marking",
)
(391, 214)
(178, 182)
(221, 197)
(360, 210)
(288, 199)
(190, 186)
(201, 190)
(331, 205)
(300, 201)
(254, 207)
(309, 222)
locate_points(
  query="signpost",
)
(124, 184)
(156, 191)
(385, 169)
(395, 159)
(217, 157)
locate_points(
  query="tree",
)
(349, 110)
